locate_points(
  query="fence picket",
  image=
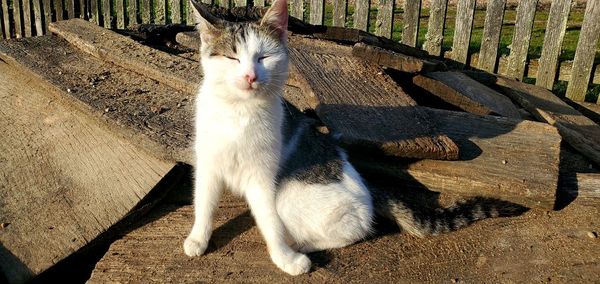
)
(17, 18)
(224, 3)
(175, 6)
(2, 12)
(492, 27)
(521, 38)
(26, 10)
(82, 8)
(37, 14)
(316, 12)
(340, 8)
(555, 32)
(132, 10)
(385, 18)
(146, 11)
(297, 9)
(585, 53)
(259, 3)
(160, 11)
(107, 20)
(240, 3)
(410, 30)
(69, 8)
(94, 12)
(435, 28)
(465, 11)
(119, 7)
(5, 20)
(361, 14)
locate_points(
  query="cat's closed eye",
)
(260, 59)
(232, 58)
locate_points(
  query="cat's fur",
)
(303, 193)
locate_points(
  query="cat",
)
(303, 193)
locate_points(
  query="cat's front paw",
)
(294, 264)
(194, 247)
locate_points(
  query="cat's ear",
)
(277, 18)
(206, 23)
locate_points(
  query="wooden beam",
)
(182, 74)
(497, 156)
(66, 177)
(583, 187)
(393, 59)
(460, 90)
(577, 130)
(358, 101)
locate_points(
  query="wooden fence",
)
(24, 18)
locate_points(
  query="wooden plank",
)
(412, 14)
(224, 3)
(521, 37)
(297, 9)
(94, 12)
(118, 49)
(146, 9)
(340, 9)
(119, 7)
(259, 3)
(132, 11)
(496, 158)
(160, 11)
(67, 178)
(5, 19)
(391, 59)
(590, 110)
(107, 17)
(17, 18)
(585, 53)
(82, 8)
(26, 10)
(47, 4)
(435, 27)
(240, 3)
(553, 38)
(494, 14)
(579, 131)
(583, 187)
(175, 11)
(37, 14)
(465, 11)
(317, 12)
(361, 14)
(357, 100)
(469, 95)
(69, 8)
(385, 18)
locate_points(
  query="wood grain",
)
(120, 11)
(259, 3)
(340, 8)
(585, 53)
(66, 177)
(70, 8)
(175, 6)
(160, 12)
(17, 18)
(94, 13)
(579, 131)
(118, 49)
(467, 94)
(358, 101)
(412, 13)
(553, 38)
(361, 14)
(317, 12)
(37, 14)
(297, 9)
(385, 18)
(492, 160)
(584, 187)
(521, 38)
(107, 17)
(465, 11)
(435, 27)
(5, 19)
(132, 12)
(26, 10)
(47, 4)
(146, 9)
(494, 14)
(391, 59)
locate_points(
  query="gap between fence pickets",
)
(576, 129)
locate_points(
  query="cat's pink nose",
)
(250, 78)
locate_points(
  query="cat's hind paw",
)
(295, 265)
(194, 247)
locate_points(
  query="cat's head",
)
(246, 58)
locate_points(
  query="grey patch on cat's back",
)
(314, 158)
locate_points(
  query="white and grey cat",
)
(303, 193)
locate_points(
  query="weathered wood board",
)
(576, 129)
(584, 187)
(460, 90)
(362, 104)
(65, 177)
(391, 59)
(499, 157)
(141, 107)
(533, 247)
(169, 69)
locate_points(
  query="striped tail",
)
(434, 222)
